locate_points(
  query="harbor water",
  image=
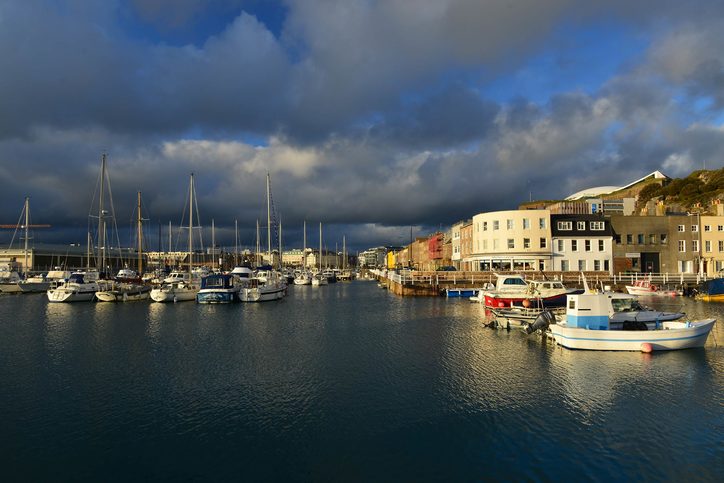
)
(346, 382)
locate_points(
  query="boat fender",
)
(647, 348)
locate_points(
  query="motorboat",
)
(712, 290)
(9, 279)
(587, 325)
(303, 278)
(263, 287)
(513, 290)
(646, 287)
(218, 288)
(80, 287)
(627, 308)
(177, 287)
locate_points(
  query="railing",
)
(473, 278)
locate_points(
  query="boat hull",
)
(11, 287)
(173, 294)
(674, 336)
(501, 301)
(34, 287)
(124, 295)
(63, 295)
(261, 295)
(216, 297)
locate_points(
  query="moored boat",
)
(645, 287)
(80, 287)
(587, 325)
(124, 292)
(712, 290)
(218, 288)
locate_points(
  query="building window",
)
(707, 246)
(485, 244)
(597, 225)
(720, 228)
(496, 244)
(652, 239)
(526, 223)
(694, 245)
(542, 223)
(601, 245)
(574, 245)
(565, 225)
(564, 265)
(587, 245)
(485, 226)
(707, 227)
(606, 265)
(640, 238)
(617, 239)
(682, 246)
(629, 239)
(561, 246)
(526, 242)
(543, 243)
(664, 238)
(680, 228)
(509, 224)
(580, 225)
(511, 243)
(721, 245)
(694, 228)
(496, 225)
(597, 265)
(581, 265)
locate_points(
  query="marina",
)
(314, 388)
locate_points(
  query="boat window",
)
(623, 305)
(514, 281)
(571, 304)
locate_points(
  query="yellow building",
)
(511, 240)
(712, 244)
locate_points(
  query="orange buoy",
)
(526, 303)
(501, 304)
(646, 348)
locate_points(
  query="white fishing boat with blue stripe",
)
(587, 325)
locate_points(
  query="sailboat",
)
(181, 286)
(127, 286)
(82, 286)
(304, 277)
(320, 278)
(265, 284)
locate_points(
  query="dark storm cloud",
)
(365, 124)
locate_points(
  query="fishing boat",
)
(646, 287)
(512, 290)
(712, 290)
(181, 286)
(587, 325)
(80, 287)
(218, 288)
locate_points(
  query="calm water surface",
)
(345, 382)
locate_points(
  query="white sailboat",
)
(181, 287)
(320, 278)
(268, 284)
(10, 280)
(83, 285)
(304, 277)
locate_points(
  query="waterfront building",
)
(511, 240)
(466, 245)
(712, 244)
(461, 244)
(581, 243)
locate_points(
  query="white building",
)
(582, 243)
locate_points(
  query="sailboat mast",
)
(236, 243)
(304, 251)
(101, 217)
(27, 222)
(281, 264)
(140, 237)
(191, 221)
(320, 246)
(169, 236)
(258, 248)
(344, 252)
(268, 219)
(213, 245)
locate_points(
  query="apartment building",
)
(511, 240)
(581, 243)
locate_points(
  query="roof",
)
(604, 190)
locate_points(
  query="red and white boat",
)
(645, 287)
(515, 291)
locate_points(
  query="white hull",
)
(302, 281)
(261, 294)
(62, 294)
(174, 294)
(11, 287)
(644, 291)
(673, 335)
(34, 287)
(125, 294)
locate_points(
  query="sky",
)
(378, 118)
